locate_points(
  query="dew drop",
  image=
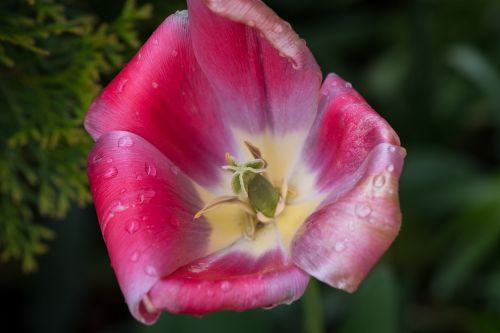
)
(175, 53)
(151, 271)
(225, 286)
(296, 65)
(97, 158)
(125, 141)
(251, 23)
(340, 284)
(391, 149)
(278, 28)
(132, 226)
(155, 41)
(150, 169)
(339, 247)
(144, 218)
(138, 177)
(217, 6)
(174, 169)
(110, 173)
(379, 181)
(362, 210)
(351, 226)
(175, 222)
(121, 86)
(348, 85)
(123, 190)
(154, 84)
(134, 256)
(390, 167)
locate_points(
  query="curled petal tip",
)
(256, 14)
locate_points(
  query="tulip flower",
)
(225, 173)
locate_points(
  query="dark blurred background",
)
(430, 67)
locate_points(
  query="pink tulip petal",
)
(341, 241)
(163, 96)
(145, 207)
(346, 130)
(233, 279)
(260, 89)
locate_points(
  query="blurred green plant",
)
(52, 56)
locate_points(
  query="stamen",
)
(221, 201)
(249, 227)
(253, 150)
(264, 219)
(148, 304)
(261, 199)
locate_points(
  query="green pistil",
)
(254, 193)
(248, 182)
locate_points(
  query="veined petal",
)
(145, 207)
(346, 130)
(163, 96)
(342, 240)
(249, 274)
(261, 89)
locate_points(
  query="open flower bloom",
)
(225, 172)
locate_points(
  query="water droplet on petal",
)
(251, 23)
(155, 41)
(125, 141)
(144, 218)
(390, 167)
(225, 285)
(278, 28)
(391, 149)
(138, 177)
(340, 284)
(174, 169)
(123, 190)
(154, 84)
(151, 271)
(339, 247)
(110, 172)
(216, 6)
(121, 86)
(132, 226)
(348, 85)
(150, 169)
(379, 181)
(296, 65)
(97, 158)
(362, 210)
(134, 256)
(175, 222)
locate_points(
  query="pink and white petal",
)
(346, 131)
(249, 274)
(163, 96)
(145, 207)
(260, 88)
(346, 236)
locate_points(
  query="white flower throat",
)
(254, 193)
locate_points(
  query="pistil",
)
(254, 193)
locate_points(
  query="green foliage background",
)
(430, 67)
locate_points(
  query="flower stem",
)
(312, 311)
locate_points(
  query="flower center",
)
(253, 192)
